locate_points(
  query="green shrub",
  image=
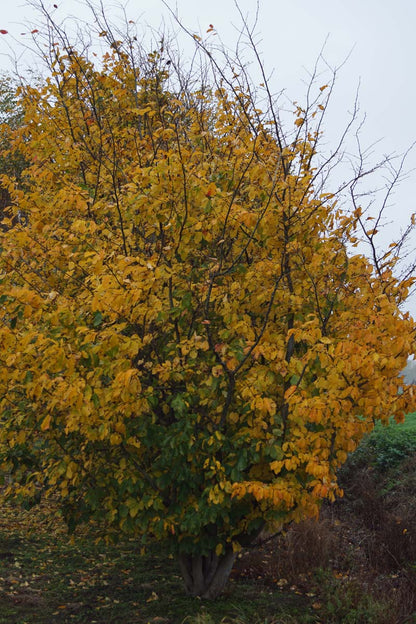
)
(384, 449)
(350, 602)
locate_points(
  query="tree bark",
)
(206, 576)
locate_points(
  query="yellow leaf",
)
(153, 597)
(276, 466)
(115, 438)
(134, 507)
(325, 340)
(219, 549)
(71, 470)
(46, 422)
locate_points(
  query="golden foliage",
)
(186, 341)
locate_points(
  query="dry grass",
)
(359, 559)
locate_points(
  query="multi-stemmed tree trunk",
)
(206, 575)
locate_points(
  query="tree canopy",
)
(190, 342)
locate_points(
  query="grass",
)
(44, 578)
(357, 565)
(409, 424)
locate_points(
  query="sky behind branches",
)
(375, 38)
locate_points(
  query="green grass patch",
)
(409, 424)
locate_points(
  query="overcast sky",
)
(378, 36)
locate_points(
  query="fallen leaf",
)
(153, 597)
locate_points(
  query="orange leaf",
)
(211, 190)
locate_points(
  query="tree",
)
(11, 162)
(191, 344)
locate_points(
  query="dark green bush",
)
(382, 450)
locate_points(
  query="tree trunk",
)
(206, 576)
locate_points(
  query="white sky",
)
(379, 35)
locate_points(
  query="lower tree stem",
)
(206, 575)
